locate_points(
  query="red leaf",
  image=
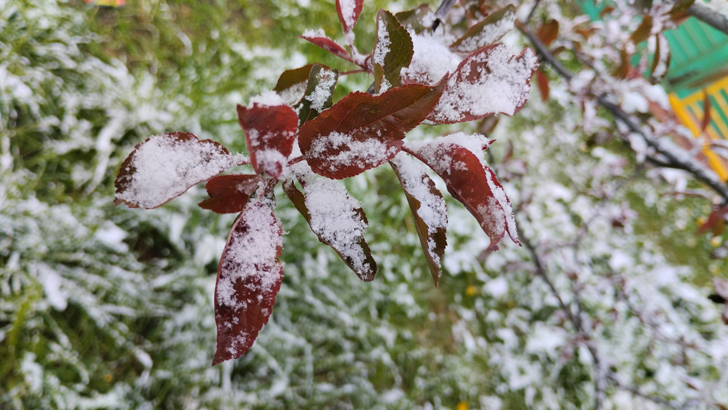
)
(715, 222)
(335, 217)
(471, 182)
(165, 166)
(487, 31)
(490, 80)
(327, 44)
(363, 131)
(548, 32)
(270, 132)
(543, 84)
(291, 78)
(229, 193)
(707, 106)
(248, 279)
(428, 209)
(349, 11)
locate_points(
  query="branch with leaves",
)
(297, 136)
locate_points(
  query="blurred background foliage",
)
(106, 307)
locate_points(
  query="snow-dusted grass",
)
(104, 307)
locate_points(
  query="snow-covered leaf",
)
(291, 84)
(335, 217)
(487, 32)
(643, 30)
(349, 11)
(362, 131)
(417, 19)
(319, 93)
(393, 50)
(248, 279)
(270, 132)
(165, 166)
(489, 81)
(428, 209)
(229, 193)
(661, 59)
(458, 160)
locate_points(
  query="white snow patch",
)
(166, 167)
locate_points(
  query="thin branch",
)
(533, 10)
(441, 12)
(636, 392)
(352, 72)
(709, 16)
(700, 173)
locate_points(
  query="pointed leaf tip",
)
(165, 166)
(349, 12)
(229, 193)
(248, 279)
(457, 159)
(428, 210)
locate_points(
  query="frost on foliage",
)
(428, 207)
(165, 166)
(488, 81)
(362, 131)
(349, 11)
(364, 154)
(392, 53)
(487, 31)
(335, 217)
(457, 158)
(248, 279)
(430, 62)
(318, 93)
(270, 132)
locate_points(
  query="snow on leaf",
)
(428, 209)
(458, 160)
(229, 193)
(487, 32)
(362, 131)
(491, 80)
(393, 50)
(165, 166)
(417, 19)
(248, 279)
(292, 84)
(349, 11)
(319, 93)
(430, 62)
(661, 59)
(335, 217)
(319, 39)
(270, 132)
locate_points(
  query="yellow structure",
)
(690, 111)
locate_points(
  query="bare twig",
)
(441, 12)
(533, 10)
(709, 16)
(700, 173)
